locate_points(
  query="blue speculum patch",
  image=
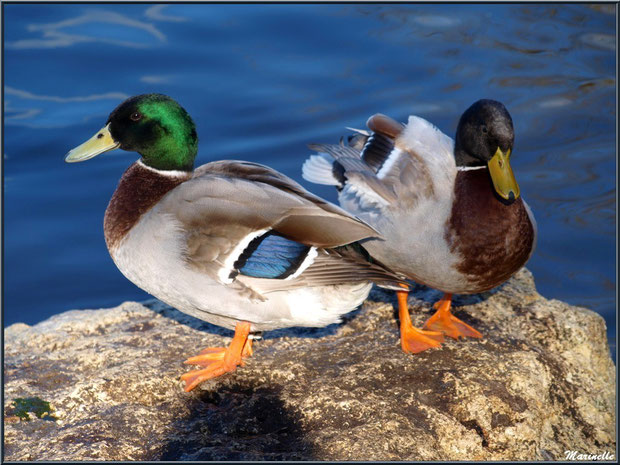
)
(271, 256)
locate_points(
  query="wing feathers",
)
(410, 162)
(319, 169)
(271, 256)
(342, 265)
(385, 125)
(356, 170)
(227, 202)
(377, 150)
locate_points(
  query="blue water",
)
(262, 81)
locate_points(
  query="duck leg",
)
(447, 323)
(412, 339)
(220, 360)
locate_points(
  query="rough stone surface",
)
(539, 383)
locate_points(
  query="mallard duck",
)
(234, 243)
(451, 213)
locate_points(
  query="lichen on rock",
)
(540, 383)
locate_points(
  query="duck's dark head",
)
(154, 125)
(484, 137)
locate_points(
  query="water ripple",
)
(55, 35)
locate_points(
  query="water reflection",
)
(65, 33)
(24, 94)
(49, 114)
(155, 13)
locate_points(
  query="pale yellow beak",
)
(101, 142)
(502, 176)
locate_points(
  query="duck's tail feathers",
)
(371, 268)
(320, 169)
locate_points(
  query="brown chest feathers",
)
(138, 190)
(494, 239)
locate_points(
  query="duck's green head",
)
(485, 136)
(154, 125)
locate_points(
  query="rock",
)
(540, 383)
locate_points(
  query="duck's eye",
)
(135, 116)
(484, 129)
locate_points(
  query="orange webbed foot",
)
(444, 321)
(412, 339)
(219, 360)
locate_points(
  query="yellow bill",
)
(502, 176)
(101, 142)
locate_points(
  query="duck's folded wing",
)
(234, 208)
(254, 197)
(315, 220)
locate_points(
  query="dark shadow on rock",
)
(237, 421)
